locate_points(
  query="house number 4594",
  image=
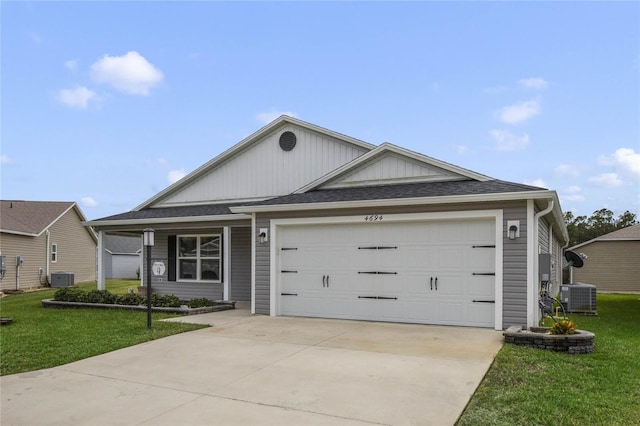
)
(373, 218)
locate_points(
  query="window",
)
(54, 253)
(199, 257)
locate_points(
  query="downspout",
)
(48, 254)
(536, 252)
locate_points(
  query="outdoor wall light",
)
(263, 235)
(513, 229)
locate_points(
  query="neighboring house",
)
(122, 256)
(49, 237)
(613, 261)
(301, 220)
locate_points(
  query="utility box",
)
(62, 279)
(544, 267)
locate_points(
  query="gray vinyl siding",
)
(514, 270)
(263, 259)
(514, 255)
(183, 290)
(240, 288)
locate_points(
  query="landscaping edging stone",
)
(221, 306)
(582, 342)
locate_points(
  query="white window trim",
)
(54, 253)
(198, 259)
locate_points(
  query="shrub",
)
(200, 302)
(563, 327)
(130, 299)
(101, 296)
(70, 294)
(164, 301)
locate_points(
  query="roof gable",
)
(32, 218)
(389, 164)
(258, 168)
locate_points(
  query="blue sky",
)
(107, 103)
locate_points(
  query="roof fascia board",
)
(449, 199)
(169, 220)
(25, 234)
(389, 147)
(249, 140)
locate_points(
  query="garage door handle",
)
(431, 283)
(324, 281)
(327, 280)
(436, 283)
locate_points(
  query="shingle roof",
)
(383, 192)
(628, 233)
(178, 211)
(30, 217)
(409, 190)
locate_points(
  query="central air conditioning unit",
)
(578, 297)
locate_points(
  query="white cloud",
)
(268, 117)
(130, 73)
(573, 193)
(5, 159)
(71, 65)
(537, 182)
(607, 179)
(506, 141)
(567, 170)
(519, 113)
(533, 83)
(462, 149)
(625, 159)
(175, 175)
(88, 202)
(76, 98)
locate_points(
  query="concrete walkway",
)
(260, 370)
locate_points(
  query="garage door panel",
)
(387, 271)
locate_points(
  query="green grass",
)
(41, 338)
(528, 386)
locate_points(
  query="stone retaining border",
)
(220, 306)
(582, 342)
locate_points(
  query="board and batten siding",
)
(240, 270)
(514, 254)
(389, 167)
(265, 170)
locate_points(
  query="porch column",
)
(226, 258)
(100, 255)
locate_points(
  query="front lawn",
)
(41, 338)
(527, 386)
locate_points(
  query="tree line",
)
(601, 222)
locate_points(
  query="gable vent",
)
(287, 141)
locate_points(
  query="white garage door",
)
(435, 272)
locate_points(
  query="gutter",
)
(449, 199)
(169, 220)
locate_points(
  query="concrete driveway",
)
(260, 370)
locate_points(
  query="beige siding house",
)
(300, 220)
(613, 262)
(38, 238)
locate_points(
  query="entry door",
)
(434, 272)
